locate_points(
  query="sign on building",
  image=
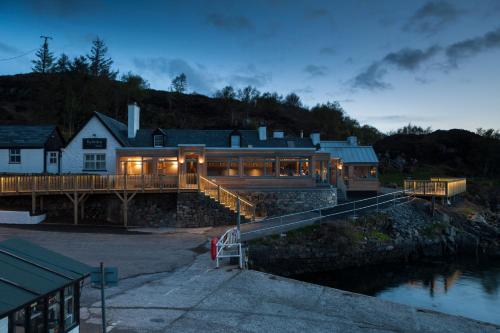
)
(94, 143)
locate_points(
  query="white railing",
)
(229, 246)
(352, 209)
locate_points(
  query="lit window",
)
(158, 140)
(259, 167)
(53, 157)
(95, 162)
(222, 167)
(167, 166)
(294, 167)
(15, 156)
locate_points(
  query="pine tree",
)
(79, 65)
(63, 64)
(45, 59)
(99, 64)
(179, 83)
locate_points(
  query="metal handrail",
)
(229, 240)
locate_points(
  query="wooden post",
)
(125, 209)
(75, 207)
(33, 202)
(41, 203)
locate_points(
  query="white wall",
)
(72, 155)
(31, 161)
(18, 217)
(4, 325)
(75, 329)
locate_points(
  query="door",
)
(191, 171)
(52, 162)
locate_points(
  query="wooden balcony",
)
(58, 184)
(438, 187)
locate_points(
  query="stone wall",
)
(285, 201)
(197, 210)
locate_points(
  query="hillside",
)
(67, 99)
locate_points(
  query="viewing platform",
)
(436, 187)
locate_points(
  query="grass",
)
(378, 235)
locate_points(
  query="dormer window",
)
(235, 141)
(157, 140)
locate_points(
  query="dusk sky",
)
(431, 63)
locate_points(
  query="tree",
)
(79, 65)
(248, 94)
(134, 80)
(226, 93)
(179, 83)
(44, 58)
(293, 100)
(63, 64)
(100, 65)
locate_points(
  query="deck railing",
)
(442, 187)
(84, 183)
(226, 197)
(362, 184)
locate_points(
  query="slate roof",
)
(350, 154)
(29, 272)
(210, 138)
(25, 136)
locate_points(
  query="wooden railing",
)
(443, 187)
(84, 183)
(226, 197)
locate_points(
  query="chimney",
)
(352, 140)
(278, 134)
(315, 137)
(301, 134)
(262, 133)
(133, 119)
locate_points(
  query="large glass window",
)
(167, 166)
(222, 167)
(259, 167)
(95, 162)
(294, 167)
(69, 306)
(37, 317)
(54, 315)
(15, 156)
(321, 171)
(19, 321)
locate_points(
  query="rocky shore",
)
(401, 234)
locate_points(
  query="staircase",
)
(226, 198)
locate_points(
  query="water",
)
(466, 288)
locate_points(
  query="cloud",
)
(230, 23)
(316, 70)
(197, 77)
(250, 76)
(327, 51)
(410, 59)
(472, 46)
(6, 48)
(371, 78)
(432, 17)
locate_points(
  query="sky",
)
(388, 62)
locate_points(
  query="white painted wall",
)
(4, 325)
(31, 161)
(52, 168)
(20, 217)
(72, 156)
(75, 329)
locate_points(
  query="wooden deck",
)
(436, 187)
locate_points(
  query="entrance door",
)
(191, 171)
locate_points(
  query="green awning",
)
(28, 272)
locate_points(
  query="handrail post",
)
(198, 183)
(238, 217)
(218, 193)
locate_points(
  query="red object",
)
(213, 247)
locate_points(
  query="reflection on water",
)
(467, 288)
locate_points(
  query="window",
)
(69, 306)
(54, 314)
(222, 167)
(15, 156)
(259, 167)
(53, 157)
(37, 317)
(294, 167)
(94, 162)
(235, 141)
(158, 140)
(19, 321)
(167, 166)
